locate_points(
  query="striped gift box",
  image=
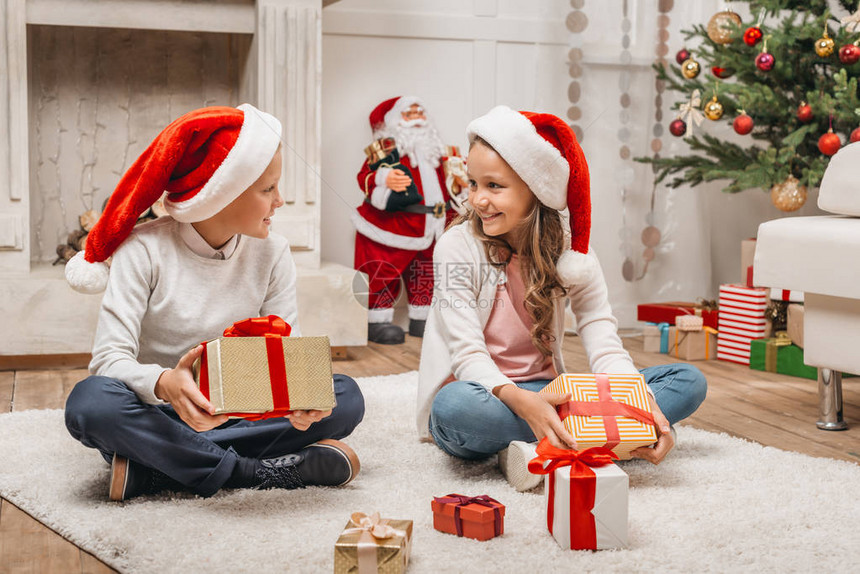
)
(742, 319)
(620, 395)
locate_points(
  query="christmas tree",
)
(787, 80)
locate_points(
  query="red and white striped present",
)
(742, 319)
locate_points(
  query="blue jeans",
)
(104, 414)
(468, 421)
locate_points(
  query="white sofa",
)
(820, 256)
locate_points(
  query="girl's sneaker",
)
(514, 464)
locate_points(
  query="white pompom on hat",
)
(203, 160)
(543, 151)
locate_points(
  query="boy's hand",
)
(177, 387)
(538, 410)
(665, 442)
(302, 420)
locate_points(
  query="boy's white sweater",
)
(162, 299)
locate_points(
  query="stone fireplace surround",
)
(279, 47)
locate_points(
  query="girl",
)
(503, 272)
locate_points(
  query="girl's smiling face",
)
(500, 198)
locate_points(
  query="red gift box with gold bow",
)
(478, 517)
(586, 496)
(257, 371)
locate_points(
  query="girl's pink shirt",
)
(507, 333)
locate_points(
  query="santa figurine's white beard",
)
(417, 139)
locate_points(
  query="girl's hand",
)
(177, 387)
(665, 442)
(538, 410)
(397, 180)
(302, 420)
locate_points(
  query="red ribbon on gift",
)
(273, 328)
(459, 500)
(606, 407)
(583, 532)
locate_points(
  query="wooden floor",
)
(767, 408)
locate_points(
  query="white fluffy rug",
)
(717, 504)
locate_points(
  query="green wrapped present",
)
(779, 355)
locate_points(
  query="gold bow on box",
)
(371, 545)
(780, 339)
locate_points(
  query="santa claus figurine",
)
(412, 184)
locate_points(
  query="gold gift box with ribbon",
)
(370, 544)
(254, 375)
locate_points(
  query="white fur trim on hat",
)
(250, 156)
(575, 268)
(86, 277)
(393, 115)
(539, 163)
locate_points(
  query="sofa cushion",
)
(840, 187)
(813, 254)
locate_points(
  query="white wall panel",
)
(460, 59)
(440, 72)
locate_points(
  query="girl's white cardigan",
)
(463, 295)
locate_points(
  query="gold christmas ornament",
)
(714, 109)
(720, 26)
(788, 195)
(824, 45)
(690, 68)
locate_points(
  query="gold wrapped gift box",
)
(606, 410)
(240, 370)
(386, 541)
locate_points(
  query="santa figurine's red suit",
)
(407, 181)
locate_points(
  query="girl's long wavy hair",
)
(543, 241)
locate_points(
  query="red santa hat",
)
(543, 150)
(203, 160)
(388, 113)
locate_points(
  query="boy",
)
(183, 279)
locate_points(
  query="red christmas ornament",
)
(743, 124)
(678, 128)
(682, 56)
(765, 61)
(752, 36)
(804, 112)
(849, 54)
(829, 143)
(855, 136)
(722, 73)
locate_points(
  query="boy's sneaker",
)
(129, 479)
(514, 464)
(324, 463)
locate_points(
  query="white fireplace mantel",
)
(282, 75)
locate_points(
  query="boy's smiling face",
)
(250, 213)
